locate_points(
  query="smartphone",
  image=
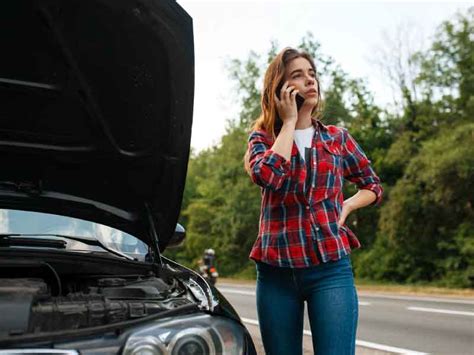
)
(299, 101)
(298, 98)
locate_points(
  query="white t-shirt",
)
(303, 139)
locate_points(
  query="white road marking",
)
(250, 321)
(391, 349)
(445, 311)
(362, 343)
(252, 293)
(408, 298)
(236, 291)
(365, 294)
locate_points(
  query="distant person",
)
(207, 267)
(303, 245)
(209, 257)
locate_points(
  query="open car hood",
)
(96, 102)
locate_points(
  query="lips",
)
(311, 91)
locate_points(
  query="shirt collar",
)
(318, 124)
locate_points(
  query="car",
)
(96, 105)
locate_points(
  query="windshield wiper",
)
(6, 239)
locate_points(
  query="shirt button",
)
(307, 207)
(317, 228)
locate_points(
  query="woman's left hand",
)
(346, 210)
(360, 199)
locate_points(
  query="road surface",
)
(388, 323)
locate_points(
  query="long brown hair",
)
(269, 120)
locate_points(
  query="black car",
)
(96, 103)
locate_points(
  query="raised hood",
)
(96, 102)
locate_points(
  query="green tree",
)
(422, 152)
(426, 229)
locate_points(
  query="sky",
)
(348, 31)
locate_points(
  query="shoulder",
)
(335, 133)
(335, 130)
(340, 138)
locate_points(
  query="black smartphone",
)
(299, 101)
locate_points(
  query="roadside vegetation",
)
(421, 145)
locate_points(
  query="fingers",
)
(287, 93)
(294, 93)
(344, 214)
(286, 104)
(283, 90)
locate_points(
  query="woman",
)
(303, 245)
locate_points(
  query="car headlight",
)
(187, 335)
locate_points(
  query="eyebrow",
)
(300, 70)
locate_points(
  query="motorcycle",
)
(209, 273)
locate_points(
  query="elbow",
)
(265, 177)
(377, 191)
(374, 197)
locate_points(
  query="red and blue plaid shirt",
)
(299, 214)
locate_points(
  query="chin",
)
(312, 100)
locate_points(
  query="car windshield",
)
(25, 222)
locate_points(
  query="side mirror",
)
(178, 236)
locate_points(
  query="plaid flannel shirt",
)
(298, 220)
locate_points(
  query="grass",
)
(418, 289)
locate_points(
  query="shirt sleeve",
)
(357, 168)
(268, 169)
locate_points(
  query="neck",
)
(304, 118)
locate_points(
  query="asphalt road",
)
(388, 323)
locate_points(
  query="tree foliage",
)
(425, 232)
(423, 152)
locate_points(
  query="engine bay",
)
(37, 298)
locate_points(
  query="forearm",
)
(361, 199)
(284, 142)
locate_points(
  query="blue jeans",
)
(332, 303)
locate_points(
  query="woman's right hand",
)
(286, 105)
